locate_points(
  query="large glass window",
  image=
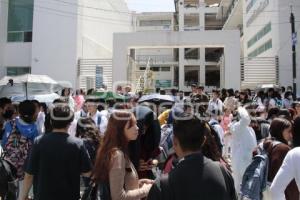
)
(16, 71)
(212, 76)
(20, 17)
(266, 46)
(191, 75)
(266, 29)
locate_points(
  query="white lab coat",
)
(288, 171)
(242, 144)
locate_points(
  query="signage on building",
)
(163, 83)
(99, 77)
(263, 4)
(294, 38)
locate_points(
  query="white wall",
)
(266, 16)
(97, 32)
(54, 41)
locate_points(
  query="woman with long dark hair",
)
(113, 165)
(87, 130)
(296, 132)
(281, 133)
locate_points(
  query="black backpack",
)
(97, 191)
(8, 181)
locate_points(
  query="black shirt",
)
(56, 162)
(194, 178)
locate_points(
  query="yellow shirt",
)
(163, 117)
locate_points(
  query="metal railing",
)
(155, 59)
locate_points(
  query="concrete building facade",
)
(266, 42)
(194, 51)
(53, 37)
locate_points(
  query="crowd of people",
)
(197, 146)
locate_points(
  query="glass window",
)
(191, 53)
(16, 71)
(191, 75)
(20, 17)
(266, 29)
(212, 74)
(155, 69)
(261, 49)
(165, 69)
(155, 22)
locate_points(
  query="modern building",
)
(266, 40)
(267, 31)
(183, 48)
(67, 40)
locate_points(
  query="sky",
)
(151, 5)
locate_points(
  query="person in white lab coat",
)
(242, 144)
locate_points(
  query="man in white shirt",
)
(100, 120)
(82, 112)
(289, 170)
(215, 103)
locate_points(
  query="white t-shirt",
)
(289, 170)
(215, 105)
(103, 124)
(72, 128)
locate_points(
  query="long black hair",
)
(296, 132)
(277, 127)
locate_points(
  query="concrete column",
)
(202, 18)
(181, 17)
(119, 65)
(181, 68)
(232, 67)
(202, 66)
(202, 14)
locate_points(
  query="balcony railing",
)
(191, 28)
(230, 9)
(155, 59)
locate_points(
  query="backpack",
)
(255, 178)
(166, 141)
(8, 181)
(17, 149)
